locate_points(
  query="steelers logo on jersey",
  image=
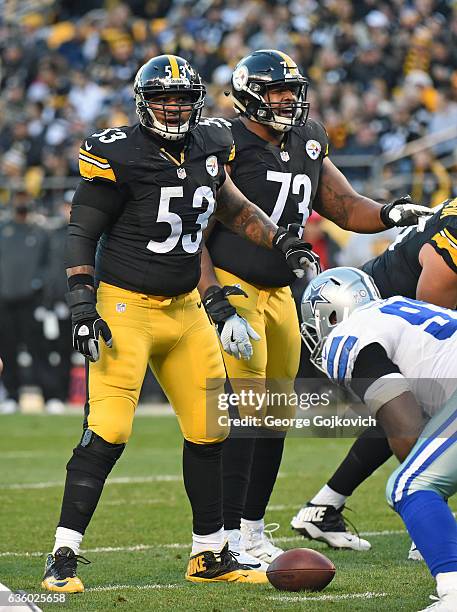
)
(313, 148)
(211, 165)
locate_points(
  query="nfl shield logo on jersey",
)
(284, 156)
(313, 148)
(181, 172)
(211, 165)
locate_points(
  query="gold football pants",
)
(176, 339)
(274, 364)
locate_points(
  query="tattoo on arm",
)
(242, 216)
(338, 201)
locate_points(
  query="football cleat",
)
(60, 571)
(327, 524)
(236, 545)
(259, 543)
(209, 566)
(445, 603)
(414, 553)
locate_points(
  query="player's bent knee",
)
(95, 455)
(211, 436)
(112, 435)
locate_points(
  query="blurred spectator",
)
(57, 322)
(322, 242)
(360, 248)
(431, 183)
(444, 116)
(23, 259)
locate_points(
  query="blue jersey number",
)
(442, 327)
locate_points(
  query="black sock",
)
(265, 467)
(369, 451)
(202, 471)
(92, 461)
(237, 459)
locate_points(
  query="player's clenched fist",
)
(298, 254)
(88, 326)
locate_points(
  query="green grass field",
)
(138, 541)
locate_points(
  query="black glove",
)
(403, 212)
(86, 322)
(298, 254)
(217, 305)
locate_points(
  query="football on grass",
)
(301, 569)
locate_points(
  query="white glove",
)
(235, 337)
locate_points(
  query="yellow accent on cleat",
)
(223, 567)
(248, 576)
(65, 585)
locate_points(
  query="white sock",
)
(446, 582)
(329, 497)
(254, 525)
(68, 537)
(212, 541)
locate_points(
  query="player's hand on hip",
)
(87, 325)
(298, 254)
(403, 212)
(234, 331)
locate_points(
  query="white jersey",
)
(419, 338)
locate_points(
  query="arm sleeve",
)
(95, 207)
(371, 364)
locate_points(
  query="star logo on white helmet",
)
(316, 297)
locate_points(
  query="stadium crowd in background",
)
(382, 74)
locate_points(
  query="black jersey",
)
(397, 270)
(282, 181)
(153, 245)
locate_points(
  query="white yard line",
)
(116, 480)
(297, 598)
(119, 480)
(143, 547)
(137, 587)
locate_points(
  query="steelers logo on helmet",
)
(267, 87)
(169, 96)
(240, 77)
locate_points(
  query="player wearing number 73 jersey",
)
(281, 164)
(398, 356)
(145, 197)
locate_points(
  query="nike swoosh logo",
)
(88, 146)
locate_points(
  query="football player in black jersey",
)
(420, 264)
(281, 164)
(133, 264)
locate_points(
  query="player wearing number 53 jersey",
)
(281, 164)
(138, 215)
(398, 356)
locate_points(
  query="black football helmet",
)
(252, 77)
(169, 74)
